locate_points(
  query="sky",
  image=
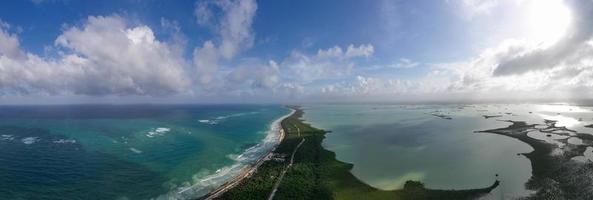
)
(277, 51)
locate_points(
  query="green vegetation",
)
(316, 174)
(554, 174)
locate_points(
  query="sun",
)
(548, 21)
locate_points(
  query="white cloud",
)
(9, 43)
(206, 61)
(203, 13)
(290, 90)
(402, 63)
(363, 50)
(522, 69)
(371, 87)
(289, 78)
(178, 40)
(335, 51)
(405, 63)
(103, 57)
(573, 46)
(108, 56)
(234, 30)
(306, 68)
(253, 74)
(328, 63)
(234, 25)
(477, 7)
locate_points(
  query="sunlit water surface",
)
(389, 144)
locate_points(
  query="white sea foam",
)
(235, 115)
(218, 119)
(158, 132)
(64, 141)
(203, 184)
(30, 140)
(135, 150)
(7, 137)
(207, 121)
(235, 157)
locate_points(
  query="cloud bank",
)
(103, 56)
(515, 65)
(110, 56)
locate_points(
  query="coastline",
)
(317, 174)
(250, 169)
(555, 172)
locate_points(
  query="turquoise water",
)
(389, 144)
(128, 152)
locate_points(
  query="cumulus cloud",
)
(206, 61)
(104, 56)
(254, 74)
(9, 43)
(233, 28)
(402, 63)
(574, 46)
(364, 50)
(364, 86)
(516, 67)
(477, 7)
(405, 63)
(328, 63)
(520, 67)
(288, 78)
(317, 72)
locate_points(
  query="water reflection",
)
(436, 144)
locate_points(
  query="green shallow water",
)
(390, 144)
(127, 152)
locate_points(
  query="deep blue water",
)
(124, 151)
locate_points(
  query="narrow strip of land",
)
(246, 173)
(316, 174)
(284, 171)
(555, 175)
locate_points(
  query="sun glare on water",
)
(548, 20)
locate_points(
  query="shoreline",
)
(250, 169)
(554, 172)
(317, 174)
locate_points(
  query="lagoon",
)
(435, 144)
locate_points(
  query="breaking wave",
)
(205, 182)
(30, 140)
(216, 120)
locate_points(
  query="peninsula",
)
(300, 168)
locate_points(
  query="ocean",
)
(129, 151)
(185, 151)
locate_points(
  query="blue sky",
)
(283, 51)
